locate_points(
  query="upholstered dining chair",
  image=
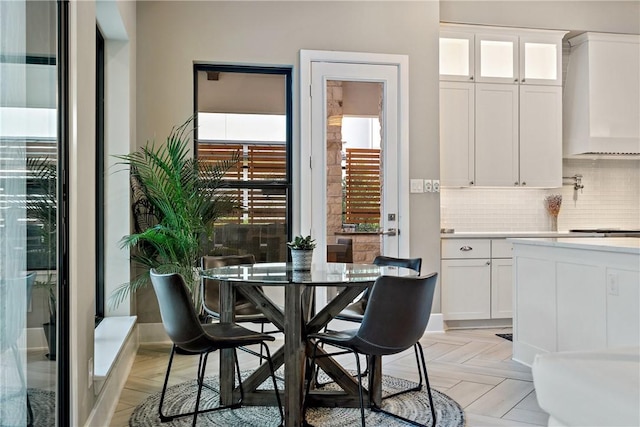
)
(355, 312)
(245, 310)
(185, 330)
(394, 320)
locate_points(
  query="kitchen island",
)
(575, 294)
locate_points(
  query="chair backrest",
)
(397, 313)
(412, 263)
(13, 316)
(178, 314)
(348, 242)
(210, 288)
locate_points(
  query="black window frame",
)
(100, 173)
(286, 185)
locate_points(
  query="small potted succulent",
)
(301, 252)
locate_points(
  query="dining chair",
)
(394, 320)
(355, 312)
(187, 333)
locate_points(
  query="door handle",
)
(390, 232)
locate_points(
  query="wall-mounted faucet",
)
(576, 181)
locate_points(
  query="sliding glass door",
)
(29, 186)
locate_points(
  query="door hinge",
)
(310, 163)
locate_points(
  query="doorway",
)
(323, 125)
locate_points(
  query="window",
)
(247, 110)
(100, 171)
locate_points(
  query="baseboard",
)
(436, 323)
(36, 339)
(151, 333)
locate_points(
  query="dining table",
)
(296, 319)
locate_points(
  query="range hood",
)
(601, 104)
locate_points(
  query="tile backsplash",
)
(610, 198)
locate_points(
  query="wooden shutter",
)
(362, 198)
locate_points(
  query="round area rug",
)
(43, 404)
(414, 405)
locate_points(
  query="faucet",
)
(577, 181)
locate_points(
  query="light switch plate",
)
(417, 186)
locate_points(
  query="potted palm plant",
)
(301, 252)
(176, 199)
(42, 211)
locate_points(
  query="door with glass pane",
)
(245, 111)
(355, 160)
(28, 212)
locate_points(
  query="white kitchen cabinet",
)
(476, 279)
(466, 289)
(457, 55)
(496, 126)
(457, 134)
(541, 59)
(575, 295)
(501, 288)
(497, 58)
(513, 135)
(540, 156)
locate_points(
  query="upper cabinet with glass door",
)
(457, 55)
(500, 55)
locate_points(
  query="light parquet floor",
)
(473, 367)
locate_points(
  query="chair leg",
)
(163, 417)
(360, 388)
(201, 371)
(309, 375)
(275, 384)
(426, 377)
(433, 411)
(419, 386)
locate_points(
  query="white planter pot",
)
(301, 259)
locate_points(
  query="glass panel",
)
(496, 58)
(245, 113)
(454, 57)
(354, 176)
(540, 61)
(28, 205)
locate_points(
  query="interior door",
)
(322, 75)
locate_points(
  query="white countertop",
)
(514, 234)
(608, 244)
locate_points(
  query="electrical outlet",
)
(90, 372)
(417, 186)
(436, 185)
(428, 186)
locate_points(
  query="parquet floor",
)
(473, 367)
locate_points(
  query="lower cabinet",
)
(476, 278)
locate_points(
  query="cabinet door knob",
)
(524, 183)
(488, 263)
(470, 77)
(515, 80)
(470, 182)
(515, 183)
(466, 248)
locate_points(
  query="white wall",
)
(82, 23)
(577, 16)
(172, 35)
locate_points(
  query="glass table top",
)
(328, 273)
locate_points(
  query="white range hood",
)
(602, 96)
